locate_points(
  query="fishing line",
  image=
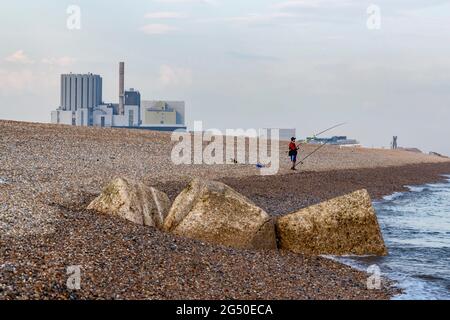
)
(322, 145)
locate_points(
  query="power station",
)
(82, 105)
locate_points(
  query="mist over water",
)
(416, 228)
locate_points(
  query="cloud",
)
(27, 81)
(157, 28)
(258, 18)
(30, 79)
(252, 56)
(165, 15)
(254, 18)
(208, 2)
(174, 76)
(19, 57)
(16, 81)
(60, 62)
(311, 4)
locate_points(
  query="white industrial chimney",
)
(122, 88)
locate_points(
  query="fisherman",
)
(293, 148)
(293, 152)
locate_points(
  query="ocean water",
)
(416, 229)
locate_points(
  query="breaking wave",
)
(415, 226)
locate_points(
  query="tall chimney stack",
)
(122, 88)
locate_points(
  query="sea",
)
(416, 228)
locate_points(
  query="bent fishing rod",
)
(309, 155)
(329, 129)
(325, 131)
(322, 145)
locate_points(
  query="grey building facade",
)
(80, 91)
(132, 98)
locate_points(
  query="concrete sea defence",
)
(215, 213)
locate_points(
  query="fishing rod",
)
(322, 145)
(309, 155)
(329, 129)
(324, 131)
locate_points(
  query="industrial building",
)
(336, 141)
(164, 115)
(80, 95)
(82, 105)
(132, 98)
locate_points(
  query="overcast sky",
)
(307, 64)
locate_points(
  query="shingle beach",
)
(49, 174)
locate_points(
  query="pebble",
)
(48, 175)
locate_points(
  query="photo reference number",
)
(226, 310)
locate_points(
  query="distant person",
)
(293, 152)
(394, 143)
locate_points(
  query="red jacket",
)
(292, 146)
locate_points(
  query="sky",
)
(381, 66)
